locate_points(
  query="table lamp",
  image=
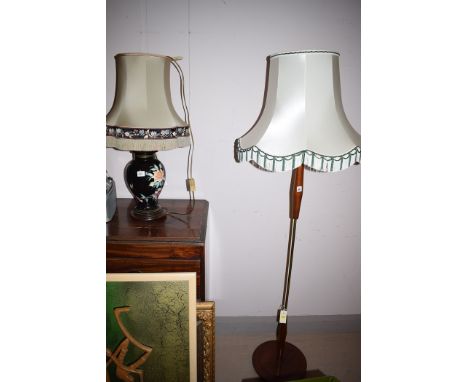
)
(302, 124)
(143, 120)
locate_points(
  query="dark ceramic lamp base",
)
(145, 177)
(293, 364)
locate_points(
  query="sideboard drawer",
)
(154, 251)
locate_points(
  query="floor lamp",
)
(302, 124)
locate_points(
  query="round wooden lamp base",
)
(265, 362)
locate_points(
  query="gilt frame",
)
(206, 349)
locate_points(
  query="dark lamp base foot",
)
(293, 364)
(148, 214)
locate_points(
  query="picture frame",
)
(151, 330)
(206, 341)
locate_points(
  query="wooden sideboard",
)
(173, 244)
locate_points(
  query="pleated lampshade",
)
(302, 120)
(143, 117)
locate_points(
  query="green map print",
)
(158, 318)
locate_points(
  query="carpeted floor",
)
(329, 344)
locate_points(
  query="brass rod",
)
(287, 274)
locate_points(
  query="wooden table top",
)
(174, 228)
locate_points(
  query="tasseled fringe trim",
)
(310, 159)
(147, 144)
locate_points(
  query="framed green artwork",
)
(151, 327)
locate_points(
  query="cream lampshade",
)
(143, 117)
(302, 119)
(302, 124)
(143, 120)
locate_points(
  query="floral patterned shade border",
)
(132, 133)
(312, 160)
(129, 138)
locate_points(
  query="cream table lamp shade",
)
(143, 117)
(302, 119)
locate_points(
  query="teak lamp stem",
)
(279, 360)
(295, 195)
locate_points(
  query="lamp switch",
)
(283, 316)
(190, 183)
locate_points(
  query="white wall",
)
(224, 45)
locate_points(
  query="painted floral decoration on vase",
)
(145, 176)
(157, 177)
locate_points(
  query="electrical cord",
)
(190, 181)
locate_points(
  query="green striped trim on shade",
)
(313, 160)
